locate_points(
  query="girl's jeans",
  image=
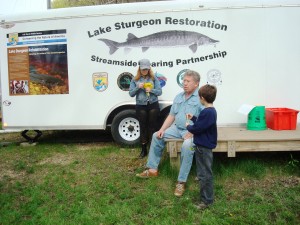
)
(187, 151)
(204, 161)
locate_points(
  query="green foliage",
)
(74, 3)
(294, 164)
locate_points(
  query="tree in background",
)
(74, 3)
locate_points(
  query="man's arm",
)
(167, 123)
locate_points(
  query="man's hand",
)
(188, 135)
(160, 133)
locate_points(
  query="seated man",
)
(174, 127)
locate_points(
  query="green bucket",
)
(257, 118)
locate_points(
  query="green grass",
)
(95, 183)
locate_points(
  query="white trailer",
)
(70, 68)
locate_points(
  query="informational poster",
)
(37, 63)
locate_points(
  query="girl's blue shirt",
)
(140, 93)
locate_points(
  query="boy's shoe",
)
(147, 173)
(179, 190)
(201, 206)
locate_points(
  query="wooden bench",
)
(174, 150)
(239, 139)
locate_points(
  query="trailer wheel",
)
(125, 128)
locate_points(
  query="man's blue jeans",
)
(204, 161)
(187, 151)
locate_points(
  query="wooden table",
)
(239, 139)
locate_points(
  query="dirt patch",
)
(133, 163)
(267, 182)
(89, 146)
(243, 185)
(58, 159)
(11, 137)
(289, 181)
(271, 181)
(11, 174)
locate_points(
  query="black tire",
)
(125, 128)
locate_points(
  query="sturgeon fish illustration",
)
(171, 38)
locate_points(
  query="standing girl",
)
(146, 87)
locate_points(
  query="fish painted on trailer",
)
(171, 38)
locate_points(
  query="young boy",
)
(205, 139)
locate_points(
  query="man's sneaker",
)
(179, 190)
(201, 206)
(147, 173)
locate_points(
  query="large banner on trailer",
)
(37, 63)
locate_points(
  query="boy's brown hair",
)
(208, 92)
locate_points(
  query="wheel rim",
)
(129, 129)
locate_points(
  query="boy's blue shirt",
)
(205, 128)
